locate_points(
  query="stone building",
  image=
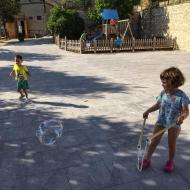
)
(165, 19)
(32, 19)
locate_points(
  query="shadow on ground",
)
(47, 82)
(93, 153)
(7, 55)
(31, 42)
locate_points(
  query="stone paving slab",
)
(100, 100)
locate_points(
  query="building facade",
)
(32, 19)
(33, 16)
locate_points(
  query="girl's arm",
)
(151, 109)
(184, 114)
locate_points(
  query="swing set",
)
(112, 26)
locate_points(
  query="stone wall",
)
(173, 20)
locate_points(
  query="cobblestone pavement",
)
(100, 100)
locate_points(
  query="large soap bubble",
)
(49, 131)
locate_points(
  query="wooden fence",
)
(108, 45)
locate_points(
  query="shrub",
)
(65, 23)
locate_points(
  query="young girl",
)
(172, 104)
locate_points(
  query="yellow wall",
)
(173, 20)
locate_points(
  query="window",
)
(30, 18)
(39, 17)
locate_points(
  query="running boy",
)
(21, 74)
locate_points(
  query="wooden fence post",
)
(81, 46)
(111, 45)
(65, 43)
(53, 38)
(59, 41)
(133, 44)
(154, 43)
(95, 46)
(56, 39)
(175, 43)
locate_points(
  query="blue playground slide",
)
(96, 36)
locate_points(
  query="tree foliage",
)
(124, 8)
(65, 22)
(8, 9)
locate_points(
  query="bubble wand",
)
(140, 152)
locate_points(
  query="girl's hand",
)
(145, 115)
(180, 119)
(184, 114)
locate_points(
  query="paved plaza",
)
(100, 100)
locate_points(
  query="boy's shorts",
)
(22, 84)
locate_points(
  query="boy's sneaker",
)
(21, 97)
(28, 101)
(169, 167)
(146, 164)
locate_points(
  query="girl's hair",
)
(174, 75)
(18, 57)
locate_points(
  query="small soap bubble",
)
(49, 131)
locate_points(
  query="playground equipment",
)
(112, 26)
(113, 22)
(123, 27)
(96, 36)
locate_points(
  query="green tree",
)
(8, 9)
(124, 8)
(65, 22)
